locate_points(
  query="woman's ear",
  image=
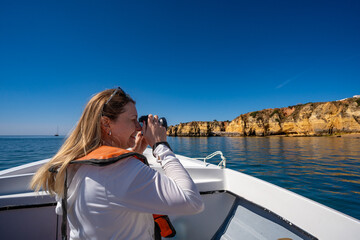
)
(105, 123)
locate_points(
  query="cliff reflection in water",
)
(325, 169)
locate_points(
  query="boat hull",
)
(237, 206)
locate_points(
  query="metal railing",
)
(222, 163)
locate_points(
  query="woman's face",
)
(125, 127)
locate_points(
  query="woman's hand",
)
(153, 131)
(140, 143)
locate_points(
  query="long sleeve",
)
(172, 193)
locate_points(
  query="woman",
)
(116, 201)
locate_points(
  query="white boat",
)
(237, 206)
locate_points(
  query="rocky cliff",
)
(310, 119)
(198, 129)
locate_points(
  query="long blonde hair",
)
(86, 137)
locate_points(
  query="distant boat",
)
(57, 132)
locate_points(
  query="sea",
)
(324, 169)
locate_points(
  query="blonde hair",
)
(86, 137)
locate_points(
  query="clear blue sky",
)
(185, 60)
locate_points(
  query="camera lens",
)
(143, 119)
(163, 122)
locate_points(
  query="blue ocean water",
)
(324, 169)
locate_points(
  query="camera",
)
(162, 121)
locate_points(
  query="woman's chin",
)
(131, 143)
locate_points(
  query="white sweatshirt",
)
(117, 201)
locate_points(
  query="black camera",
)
(162, 121)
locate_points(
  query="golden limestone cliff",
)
(311, 119)
(198, 129)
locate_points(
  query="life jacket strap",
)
(167, 230)
(64, 211)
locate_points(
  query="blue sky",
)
(185, 60)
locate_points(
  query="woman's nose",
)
(138, 126)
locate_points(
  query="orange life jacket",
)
(106, 155)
